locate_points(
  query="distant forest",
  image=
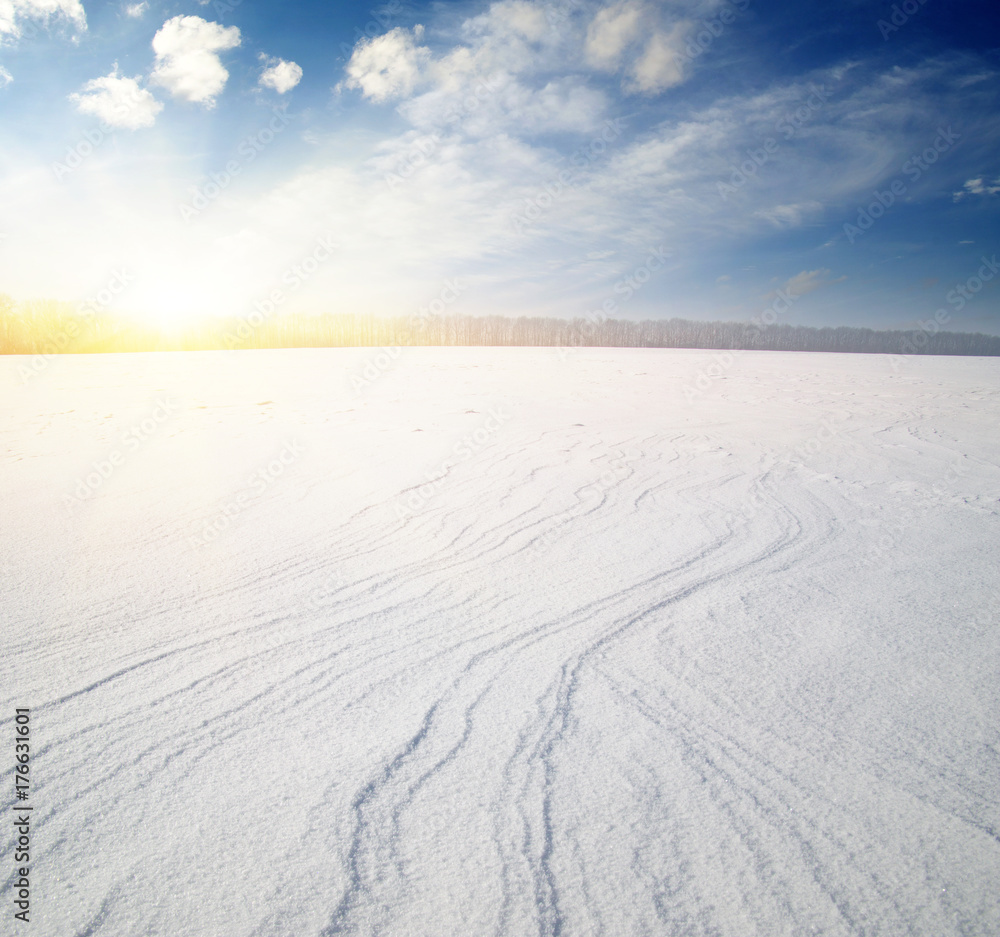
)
(45, 328)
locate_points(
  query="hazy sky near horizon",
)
(516, 157)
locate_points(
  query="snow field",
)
(636, 664)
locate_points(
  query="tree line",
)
(46, 328)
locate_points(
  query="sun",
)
(173, 305)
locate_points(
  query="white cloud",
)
(629, 36)
(977, 187)
(513, 18)
(136, 10)
(789, 216)
(187, 58)
(610, 33)
(470, 101)
(502, 77)
(486, 107)
(118, 102)
(808, 281)
(559, 105)
(661, 64)
(516, 38)
(280, 75)
(469, 164)
(388, 66)
(12, 12)
(5, 77)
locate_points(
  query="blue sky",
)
(537, 155)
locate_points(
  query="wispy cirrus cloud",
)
(808, 281)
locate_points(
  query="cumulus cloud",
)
(388, 66)
(118, 102)
(500, 76)
(136, 10)
(630, 38)
(661, 64)
(5, 77)
(474, 98)
(13, 12)
(187, 58)
(278, 74)
(977, 187)
(611, 32)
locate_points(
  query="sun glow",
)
(172, 306)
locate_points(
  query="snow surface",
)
(636, 664)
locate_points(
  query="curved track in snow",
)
(636, 664)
